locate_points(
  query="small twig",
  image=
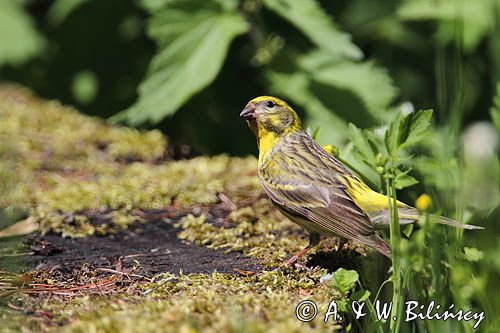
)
(109, 270)
(157, 286)
(14, 307)
(224, 198)
(17, 254)
(170, 213)
(136, 255)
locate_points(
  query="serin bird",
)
(314, 189)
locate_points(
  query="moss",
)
(267, 238)
(199, 302)
(53, 147)
(135, 186)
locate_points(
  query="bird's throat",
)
(266, 141)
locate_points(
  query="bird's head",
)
(270, 115)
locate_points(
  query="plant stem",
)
(396, 264)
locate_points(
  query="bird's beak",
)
(248, 112)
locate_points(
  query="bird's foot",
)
(301, 266)
(290, 262)
(286, 265)
(338, 243)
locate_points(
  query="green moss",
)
(199, 302)
(261, 237)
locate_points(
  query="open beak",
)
(248, 112)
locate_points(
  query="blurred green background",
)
(189, 66)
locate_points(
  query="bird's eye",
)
(270, 104)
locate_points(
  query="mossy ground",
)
(77, 176)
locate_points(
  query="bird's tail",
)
(376, 242)
(407, 215)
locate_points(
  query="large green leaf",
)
(419, 127)
(310, 19)
(344, 280)
(361, 143)
(407, 129)
(19, 40)
(357, 86)
(371, 83)
(193, 46)
(404, 180)
(396, 133)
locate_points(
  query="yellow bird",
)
(314, 189)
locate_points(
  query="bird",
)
(313, 188)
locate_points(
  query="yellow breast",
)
(266, 142)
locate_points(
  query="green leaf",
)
(419, 127)
(473, 254)
(361, 159)
(20, 41)
(361, 143)
(393, 134)
(310, 19)
(406, 130)
(345, 280)
(61, 9)
(193, 46)
(360, 295)
(153, 6)
(360, 166)
(342, 305)
(369, 82)
(314, 133)
(403, 180)
(427, 10)
(407, 230)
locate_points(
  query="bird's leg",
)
(313, 241)
(340, 243)
(296, 257)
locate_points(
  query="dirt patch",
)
(152, 247)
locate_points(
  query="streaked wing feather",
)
(336, 214)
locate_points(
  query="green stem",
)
(396, 264)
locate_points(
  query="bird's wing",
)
(330, 208)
